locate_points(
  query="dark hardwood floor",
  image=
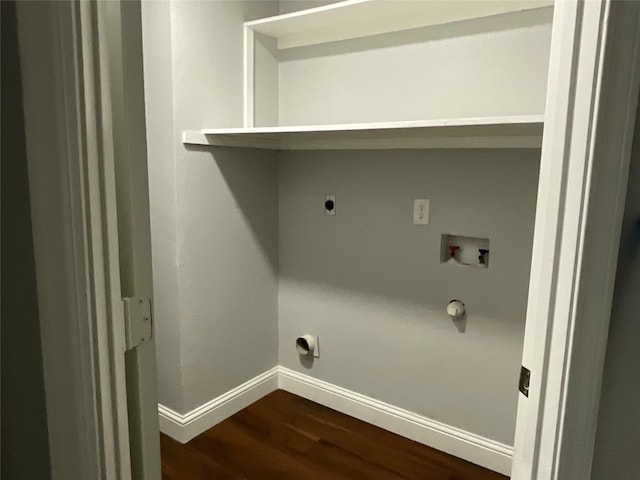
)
(283, 436)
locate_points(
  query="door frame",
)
(584, 168)
(69, 144)
(592, 95)
(124, 36)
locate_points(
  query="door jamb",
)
(590, 114)
(69, 145)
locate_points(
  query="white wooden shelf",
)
(524, 131)
(362, 18)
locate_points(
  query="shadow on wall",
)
(432, 33)
(371, 249)
(618, 435)
(25, 446)
(238, 167)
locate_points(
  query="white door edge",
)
(124, 38)
(591, 99)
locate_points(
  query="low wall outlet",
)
(421, 211)
(329, 204)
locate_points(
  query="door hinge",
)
(137, 321)
(523, 384)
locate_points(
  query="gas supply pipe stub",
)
(455, 308)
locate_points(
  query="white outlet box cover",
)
(421, 211)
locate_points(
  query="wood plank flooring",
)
(283, 436)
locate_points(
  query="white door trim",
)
(590, 112)
(72, 188)
(124, 39)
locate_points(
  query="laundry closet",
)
(325, 179)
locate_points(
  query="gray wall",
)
(617, 446)
(214, 216)
(25, 447)
(229, 224)
(288, 6)
(488, 67)
(371, 285)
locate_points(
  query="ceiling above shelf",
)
(524, 131)
(362, 18)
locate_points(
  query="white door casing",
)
(84, 122)
(591, 98)
(72, 188)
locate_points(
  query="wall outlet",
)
(421, 211)
(329, 204)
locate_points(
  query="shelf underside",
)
(361, 18)
(494, 132)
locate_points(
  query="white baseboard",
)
(460, 443)
(184, 427)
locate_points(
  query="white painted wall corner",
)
(184, 427)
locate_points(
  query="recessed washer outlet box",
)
(465, 251)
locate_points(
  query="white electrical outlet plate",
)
(329, 204)
(421, 211)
